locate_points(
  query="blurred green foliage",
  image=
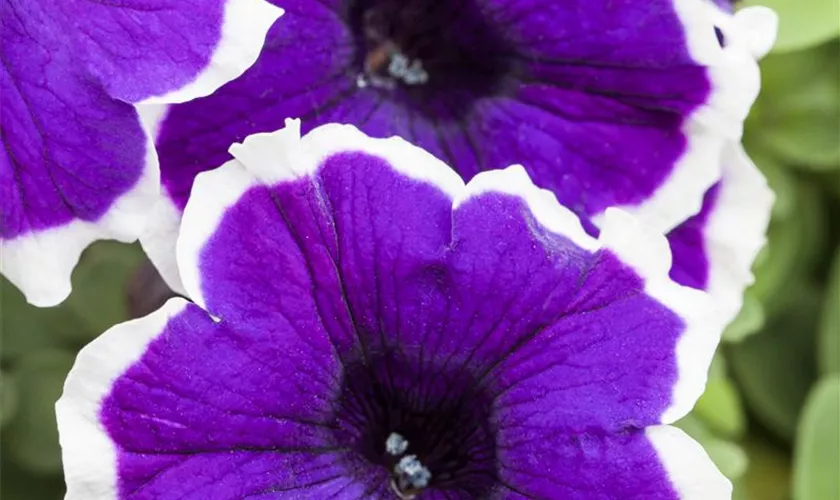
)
(38, 349)
(770, 417)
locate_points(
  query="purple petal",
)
(77, 165)
(180, 425)
(629, 107)
(659, 463)
(715, 249)
(166, 50)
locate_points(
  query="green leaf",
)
(831, 182)
(829, 337)
(817, 452)
(8, 398)
(99, 287)
(727, 455)
(750, 319)
(21, 484)
(795, 246)
(803, 24)
(781, 179)
(720, 408)
(25, 328)
(797, 116)
(32, 437)
(776, 367)
(768, 474)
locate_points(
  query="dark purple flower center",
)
(423, 50)
(427, 427)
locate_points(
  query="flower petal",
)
(715, 249)
(659, 463)
(175, 405)
(586, 305)
(634, 118)
(166, 50)
(76, 165)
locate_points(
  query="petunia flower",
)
(77, 164)
(606, 103)
(367, 326)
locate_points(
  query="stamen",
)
(410, 73)
(410, 475)
(396, 444)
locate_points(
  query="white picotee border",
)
(40, 263)
(159, 238)
(281, 156)
(648, 253)
(736, 229)
(164, 218)
(88, 454)
(244, 28)
(691, 471)
(735, 79)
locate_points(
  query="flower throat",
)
(429, 48)
(420, 428)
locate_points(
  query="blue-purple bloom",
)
(365, 326)
(620, 103)
(77, 163)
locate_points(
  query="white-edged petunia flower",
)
(368, 326)
(77, 163)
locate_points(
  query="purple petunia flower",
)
(77, 164)
(621, 103)
(367, 326)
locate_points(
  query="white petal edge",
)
(164, 221)
(88, 454)
(542, 203)
(648, 253)
(40, 263)
(759, 26)
(159, 239)
(732, 69)
(692, 473)
(244, 27)
(282, 156)
(736, 229)
(735, 81)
